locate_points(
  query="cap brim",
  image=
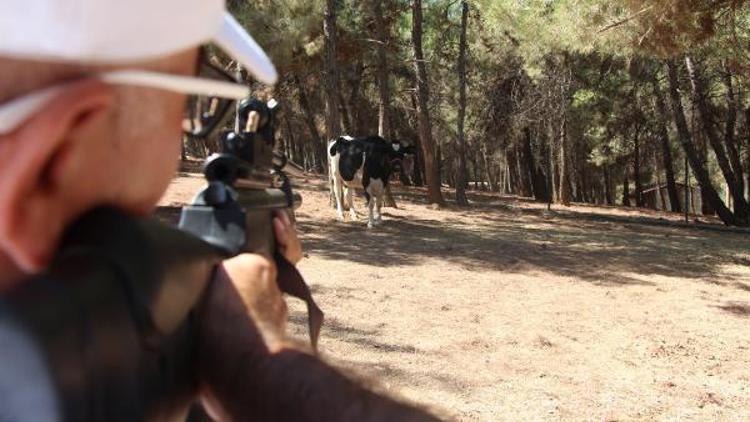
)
(235, 41)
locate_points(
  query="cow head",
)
(337, 145)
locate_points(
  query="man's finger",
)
(284, 217)
(282, 236)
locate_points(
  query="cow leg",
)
(378, 207)
(375, 189)
(349, 191)
(370, 216)
(338, 194)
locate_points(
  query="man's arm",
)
(251, 382)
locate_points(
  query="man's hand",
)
(242, 379)
(286, 237)
(254, 277)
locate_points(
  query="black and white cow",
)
(369, 159)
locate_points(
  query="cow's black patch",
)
(376, 157)
(372, 154)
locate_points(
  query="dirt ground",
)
(504, 311)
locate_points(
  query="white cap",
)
(121, 31)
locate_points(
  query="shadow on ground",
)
(496, 234)
(334, 329)
(516, 240)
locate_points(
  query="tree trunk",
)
(553, 163)
(514, 183)
(318, 146)
(385, 130)
(384, 121)
(355, 99)
(462, 176)
(432, 171)
(608, 196)
(659, 193)
(747, 149)
(346, 121)
(333, 120)
(487, 168)
(730, 128)
(738, 195)
(686, 140)
(637, 167)
(626, 189)
(565, 190)
(584, 177)
(666, 151)
(289, 139)
(531, 169)
(475, 170)
(524, 171)
(332, 91)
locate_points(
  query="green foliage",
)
(540, 65)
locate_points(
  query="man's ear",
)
(36, 200)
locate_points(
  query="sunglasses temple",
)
(182, 84)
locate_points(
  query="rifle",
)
(113, 316)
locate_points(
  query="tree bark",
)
(417, 177)
(626, 189)
(462, 176)
(553, 163)
(730, 128)
(531, 170)
(356, 98)
(432, 170)
(523, 170)
(514, 183)
(318, 146)
(475, 170)
(637, 167)
(747, 149)
(487, 168)
(686, 140)
(659, 191)
(346, 121)
(289, 140)
(699, 89)
(385, 129)
(608, 197)
(666, 152)
(333, 120)
(384, 121)
(586, 194)
(565, 188)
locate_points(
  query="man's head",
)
(91, 142)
